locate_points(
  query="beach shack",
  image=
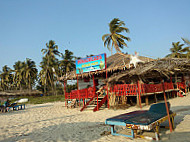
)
(152, 79)
(118, 83)
(97, 92)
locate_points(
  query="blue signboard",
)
(89, 64)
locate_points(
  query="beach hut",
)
(148, 76)
(115, 64)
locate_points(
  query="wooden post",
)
(137, 98)
(94, 91)
(146, 100)
(170, 79)
(65, 91)
(107, 83)
(171, 93)
(139, 93)
(183, 80)
(155, 98)
(78, 89)
(167, 109)
(176, 84)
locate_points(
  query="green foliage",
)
(67, 63)
(48, 74)
(6, 78)
(24, 75)
(115, 38)
(69, 88)
(178, 51)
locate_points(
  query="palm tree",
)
(30, 72)
(51, 50)
(115, 38)
(187, 42)
(177, 50)
(48, 64)
(43, 73)
(68, 63)
(6, 78)
(18, 78)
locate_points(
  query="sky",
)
(78, 25)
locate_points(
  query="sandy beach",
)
(54, 122)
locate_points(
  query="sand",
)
(54, 122)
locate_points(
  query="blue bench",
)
(144, 120)
(16, 107)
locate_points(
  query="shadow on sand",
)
(90, 131)
(84, 131)
(176, 136)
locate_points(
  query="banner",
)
(97, 62)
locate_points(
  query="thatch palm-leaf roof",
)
(158, 68)
(115, 63)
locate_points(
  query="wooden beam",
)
(65, 90)
(139, 93)
(167, 109)
(155, 98)
(146, 100)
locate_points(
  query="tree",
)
(68, 63)
(187, 42)
(115, 38)
(51, 51)
(6, 78)
(18, 77)
(30, 72)
(177, 50)
(25, 74)
(49, 64)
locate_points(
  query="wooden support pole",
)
(94, 90)
(170, 79)
(155, 98)
(167, 109)
(139, 93)
(107, 83)
(146, 100)
(78, 89)
(137, 97)
(65, 91)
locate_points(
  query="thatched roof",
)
(115, 63)
(155, 69)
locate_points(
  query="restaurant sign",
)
(92, 63)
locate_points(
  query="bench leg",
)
(113, 132)
(157, 132)
(172, 121)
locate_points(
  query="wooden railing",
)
(132, 89)
(153, 88)
(123, 89)
(80, 94)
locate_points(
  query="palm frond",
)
(124, 37)
(107, 42)
(186, 41)
(104, 37)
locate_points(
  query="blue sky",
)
(78, 25)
